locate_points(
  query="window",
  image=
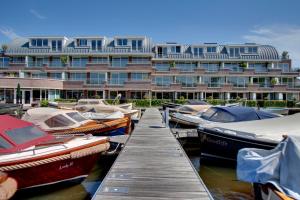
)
(26, 134)
(119, 62)
(207, 114)
(33, 42)
(99, 60)
(56, 45)
(252, 49)
(242, 49)
(175, 49)
(234, 52)
(139, 76)
(122, 42)
(45, 42)
(198, 51)
(186, 67)
(118, 78)
(78, 76)
(57, 76)
(96, 44)
(222, 116)
(81, 42)
(187, 81)
(258, 67)
(76, 116)
(210, 67)
(140, 60)
(97, 78)
(58, 121)
(39, 42)
(211, 49)
(163, 80)
(136, 44)
(79, 62)
(4, 144)
(162, 66)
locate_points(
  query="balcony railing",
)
(117, 81)
(71, 50)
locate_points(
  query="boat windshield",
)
(4, 144)
(222, 116)
(207, 114)
(77, 117)
(59, 121)
(82, 103)
(25, 134)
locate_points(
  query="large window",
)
(186, 66)
(78, 76)
(234, 52)
(58, 121)
(26, 134)
(213, 81)
(39, 75)
(238, 81)
(96, 45)
(118, 78)
(79, 62)
(139, 76)
(122, 42)
(137, 44)
(163, 80)
(57, 76)
(39, 42)
(81, 42)
(258, 67)
(56, 45)
(99, 60)
(211, 49)
(175, 49)
(55, 62)
(252, 50)
(187, 81)
(119, 62)
(211, 67)
(285, 67)
(235, 67)
(4, 62)
(97, 78)
(162, 66)
(198, 51)
(140, 60)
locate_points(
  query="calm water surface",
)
(220, 179)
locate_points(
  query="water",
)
(84, 190)
(220, 179)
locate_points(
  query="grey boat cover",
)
(279, 166)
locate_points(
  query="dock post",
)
(167, 116)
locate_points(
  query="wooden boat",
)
(224, 140)
(103, 117)
(35, 158)
(90, 106)
(8, 186)
(222, 114)
(60, 121)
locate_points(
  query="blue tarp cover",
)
(280, 166)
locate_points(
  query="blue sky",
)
(275, 22)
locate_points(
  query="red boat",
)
(35, 158)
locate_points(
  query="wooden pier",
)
(152, 165)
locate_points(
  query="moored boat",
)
(221, 114)
(60, 121)
(224, 140)
(35, 158)
(274, 173)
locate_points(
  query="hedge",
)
(65, 100)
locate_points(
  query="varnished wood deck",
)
(152, 165)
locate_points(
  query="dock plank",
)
(152, 165)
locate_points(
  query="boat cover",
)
(279, 166)
(268, 129)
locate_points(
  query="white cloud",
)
(37, 14)
(283, 37)
(9, 32)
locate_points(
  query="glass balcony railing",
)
(117, 81)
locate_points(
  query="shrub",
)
(65, 100)
(44, 103)
(275, 103)
(251, 103)
(216, 101)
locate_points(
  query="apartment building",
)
(50, 67)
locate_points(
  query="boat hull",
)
(54, 172)
(226, 146)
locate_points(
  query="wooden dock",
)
(152, 165)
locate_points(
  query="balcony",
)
(77, 51)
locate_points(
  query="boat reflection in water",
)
(220, 179)
(84, 190)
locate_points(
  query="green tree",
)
(172, 64)
(243, 65)
(19, 94)
(273, 81)
(285, 55)
(64, 60)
